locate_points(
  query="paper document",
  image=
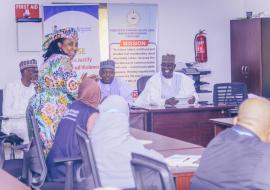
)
(145, 142)
(19, 116)
(182, 101)
(180, 160)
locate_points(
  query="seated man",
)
(238, 158)
(167, 87)
(111, 85)
(16, 98)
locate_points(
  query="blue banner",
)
(84, 18)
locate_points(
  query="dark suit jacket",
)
(235, 159)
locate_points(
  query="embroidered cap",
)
(28, 64)
(168, 58)
(62, 33)
(108, 64)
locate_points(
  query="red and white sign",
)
(27, 11)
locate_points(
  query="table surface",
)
(160, 142)
(138, 110)
(168, 146)
(184, 108)
(223, 121)
(9, 182)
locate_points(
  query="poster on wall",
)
(133, 40)
(27, 11)
(84, 18)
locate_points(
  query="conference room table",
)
(138, 119)
(9, 182)
(221, 124)
(167, 147)
(185, 122)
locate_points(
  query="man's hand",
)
(191, 100)
(171, 101)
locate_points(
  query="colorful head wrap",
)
(62, 33)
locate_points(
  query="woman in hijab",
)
(81, 112)
(113, 144)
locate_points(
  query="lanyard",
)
(241, 132)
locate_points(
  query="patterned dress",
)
(57, 87)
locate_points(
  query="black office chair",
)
(141, 82)
(2, 154)
(12, 166)
(88, 174)
(36, 164)
(13, 139)
(150, 174)
(230, 94)
(1, 106)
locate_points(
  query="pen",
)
(186, 159)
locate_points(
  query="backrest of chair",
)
(151, 174)
(1, 105)
(2, 135)
(230, 93)
(141, 82)
(89, 164)
(2, 154)
(35, 156)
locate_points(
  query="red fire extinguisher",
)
(200, 47)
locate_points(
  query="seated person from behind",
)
(167, 87)
(111, 85)
(113, 144)
(238, 158)
(81, 112)
(16, 97)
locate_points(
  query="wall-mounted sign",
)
(27, 11)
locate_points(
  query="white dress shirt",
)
(158, 89)
(15, 102)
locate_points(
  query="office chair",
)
(150, 174)
(141, 82)
(36, 164)
(12, 166)
(2, 154)
(90, 178)
(1, 106)
(230, 94)
(13, 139)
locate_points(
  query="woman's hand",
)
(84, 75)
(95, 77)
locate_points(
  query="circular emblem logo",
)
(133, 17)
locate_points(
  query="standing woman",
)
(57, 83)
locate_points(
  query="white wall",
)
(257, 6)
(179, 21)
